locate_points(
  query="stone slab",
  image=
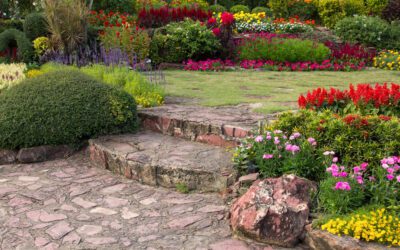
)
(161, 160)
(219, 126)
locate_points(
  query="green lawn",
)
(268, 91)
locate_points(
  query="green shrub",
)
(238, 8)
(353, 7)
(267, 11)
(339, 201)
(304, 10)
(392, 11)
(123, 6)
(283, 50)
(62, 107)
(177, 42)
(35, 26)
(330, 12)
(354, 143)
(375, 7)
(370, 31)
(12, 38)
(6, 24)
(279, 8)
(217, 8)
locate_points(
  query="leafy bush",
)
(279, 7)
(63, 107)
(6, 24)
(41, 45)
(11, 74)
(340, 195)
(145, 93)
(147, 4)
(217, 8)
(330, 12)
(275, 153)
(35, 26)
(378, 225)
(199, 4)
(239, 8)
(353, 7)
(353, 138)
(375, 7)
(15, 38)
(283, 50)
(266, 10)
(392, 11)
(177, 42)
(370, 31)
(304, 9)
(389, 60)
(124, 6)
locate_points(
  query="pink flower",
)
(356, 169)
(390, 170)
(385, 166)
(390, 160)
(390, 177)
(296, 135)
(291, 137)
(269, 137)
(364, 166)
(278, 131)
(359, 180)
(259, 138)
(335, 159)
(398, 178)
(342, 185)
(326, 153)
(343, 174)
(268, 156)
(312, 141)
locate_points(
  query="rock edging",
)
(35, 154)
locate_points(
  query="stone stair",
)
(161, 160)
(218, 126)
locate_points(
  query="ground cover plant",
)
(11, 74)
(63, 107)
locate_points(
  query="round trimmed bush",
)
(238, 8)
(35, 26)
(217, 8)
(63, 107)
(267, 11)
(14, 37)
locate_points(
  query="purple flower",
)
(268, 156)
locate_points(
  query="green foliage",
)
(217, 8)
(182, 188)
(41, 45)
(392, 10)
(270, 155)
(352, 143)
(177, 42)
(35, 26)
(330, 12)
(280, 8)
(339, 201)
(283, 50)
(375, 7)
(12, 38)
(304, 10)
(123, 6)
(238, 8)
(63, 107)
(267, 11)
(6, 24)
(353, 7)
(370, 31)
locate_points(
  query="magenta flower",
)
(343, 174)
(268, 156)
(356, 169)
(364, 166)
(359, 180)
(390, 170)
(398, 178)
(390, 177)
(342, 185)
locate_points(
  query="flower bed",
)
(364, 99)
(389, 60)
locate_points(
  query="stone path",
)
(67, 204)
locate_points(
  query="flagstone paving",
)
(68, 204)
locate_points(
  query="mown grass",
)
(269, 91)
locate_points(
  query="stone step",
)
(161, 160)
(218, 126)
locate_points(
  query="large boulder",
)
(274, 210)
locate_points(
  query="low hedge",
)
(63, 107)
(17, 38)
